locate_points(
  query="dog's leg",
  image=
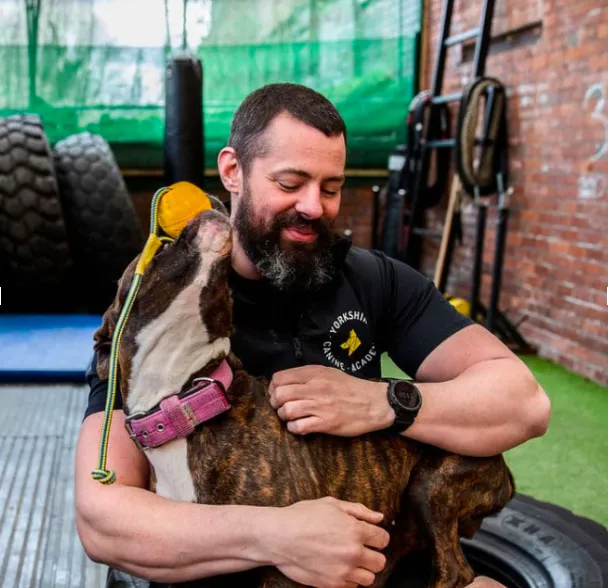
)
(438, 521)
(450, 495)
(451, 569)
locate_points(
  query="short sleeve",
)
(98, 391)
(416, 317)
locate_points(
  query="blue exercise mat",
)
(46, 348)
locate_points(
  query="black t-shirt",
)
(375, 305)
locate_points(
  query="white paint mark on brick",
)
(599, 115)
(526, 88)
(526, 101)
(591, 186)
(578, 302)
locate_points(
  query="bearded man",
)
(314, 315)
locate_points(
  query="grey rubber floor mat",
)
(39, 546)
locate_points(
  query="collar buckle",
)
(129, 428)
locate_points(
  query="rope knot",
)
(106, 477)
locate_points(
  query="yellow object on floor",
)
(460, 304)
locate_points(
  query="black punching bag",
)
(184, 138)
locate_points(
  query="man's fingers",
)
(289, 393)
(303, 426)
(484, 582)
(297, 375)
(300, 375)
(296, 409)
(374, 536)
(373, 561)
(362, 577)
(360, 511)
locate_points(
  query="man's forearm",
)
(170, 547)
(487, 409)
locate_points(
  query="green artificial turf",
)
(569, 464)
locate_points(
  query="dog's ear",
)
(218, 205)
(103, 335)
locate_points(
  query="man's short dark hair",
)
(261, 106)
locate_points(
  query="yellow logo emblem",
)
(352, 343)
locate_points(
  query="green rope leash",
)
(102, 474)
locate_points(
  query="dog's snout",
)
(214, 232)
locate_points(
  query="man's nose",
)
(309, 204)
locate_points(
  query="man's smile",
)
(303, 234)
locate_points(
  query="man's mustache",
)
(297, 221)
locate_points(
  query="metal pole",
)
(375, 215)
(499, 253)
(483, 44)
(501, 232)
(32, 10)
(478, 258)
(448, 5)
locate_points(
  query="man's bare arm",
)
(126, 526)
(478, 397)
(130, 528)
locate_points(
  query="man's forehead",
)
(290, 144)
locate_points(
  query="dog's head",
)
(180, 322)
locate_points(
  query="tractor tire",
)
(35, 260)
(533, 544)
(104, 231)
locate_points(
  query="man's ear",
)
(229, 170)
(103, 335)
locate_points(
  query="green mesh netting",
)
(99, 65)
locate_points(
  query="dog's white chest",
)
(170, 349)
(173, 478)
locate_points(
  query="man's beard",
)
(288, 265)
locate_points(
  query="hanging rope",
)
(478, 168)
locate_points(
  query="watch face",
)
(407, 395)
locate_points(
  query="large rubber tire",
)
(529, 544)
(103, 227)
(533, 544)
(35, 261)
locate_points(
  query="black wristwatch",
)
(406, 400)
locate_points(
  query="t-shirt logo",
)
(352, 343)
(348, 346)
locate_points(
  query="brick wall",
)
(553, 59)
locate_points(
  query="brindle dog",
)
(179, 329)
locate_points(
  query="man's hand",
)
(318, 399)
(485, 582)
(327, 543)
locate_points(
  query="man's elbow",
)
(537, 412)
(92, 542)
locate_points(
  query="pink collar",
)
(177, 415)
